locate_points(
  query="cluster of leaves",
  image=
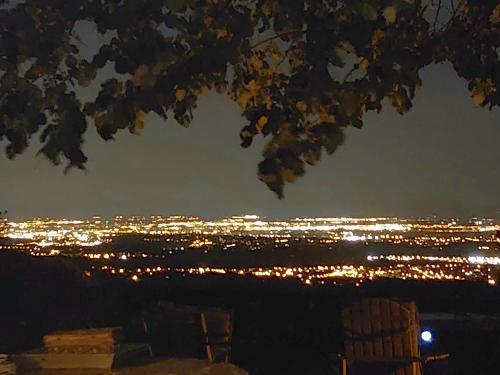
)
(301, 71)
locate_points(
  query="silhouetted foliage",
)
(301, 71)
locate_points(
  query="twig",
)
(349, 73)
(276, 36)
(282, 60)
(437, 15)
(456, 11)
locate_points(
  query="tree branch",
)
(436, 17)
(276, 36)
(349, 73)
(456, 10)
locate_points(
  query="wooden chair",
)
(381, 336)
(217, 325)
(174, 330)
(182, 331)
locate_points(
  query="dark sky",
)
(441, 158)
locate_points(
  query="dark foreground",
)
(280, 327)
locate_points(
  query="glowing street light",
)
(426, 337)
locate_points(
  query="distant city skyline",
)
(439, 159)
(247, 216)
(310, 250)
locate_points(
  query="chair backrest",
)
(217, 325)
(382, 329)
(175, 330)
(181, 330)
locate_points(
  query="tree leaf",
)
(176, 5)
(390, 14)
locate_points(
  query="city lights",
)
(416, 249)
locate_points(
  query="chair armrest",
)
(435, 357)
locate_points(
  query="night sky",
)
(439, 159)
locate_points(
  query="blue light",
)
(426, 337)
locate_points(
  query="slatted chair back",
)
(181, 330)
(378, 330)
(174, 330)
(217, 325)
